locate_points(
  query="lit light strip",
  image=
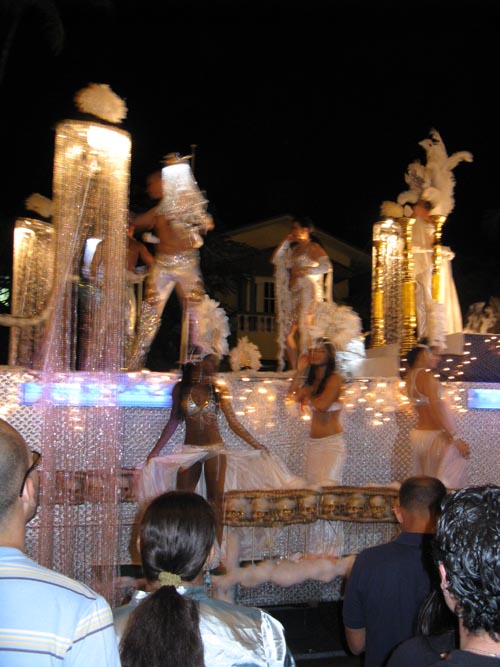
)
(122, 392)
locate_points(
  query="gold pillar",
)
(387, 257)
(409, 333)
(378, 320)
(437, 255)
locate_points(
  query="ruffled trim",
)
(283, 299)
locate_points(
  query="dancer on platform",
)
(436, 448)
(428, 198)
(179, 221)
(303, 275)
(197, 401)
(175, 623)
(136, 252)
(444, 317)
(317, 387)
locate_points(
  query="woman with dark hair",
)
(303, 276)
(318, 388)
(435, 637)
(437, 449)
(174, 622)
(197, 401)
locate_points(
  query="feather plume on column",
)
(440, 181)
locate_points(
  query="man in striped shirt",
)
(46, 618)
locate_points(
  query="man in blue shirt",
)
(46, 618)
(389, 582)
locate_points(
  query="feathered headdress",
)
(391, 209)
(181, 195)
(417, 180)
(40, 204)
(210, 328)
(440, 182)
(340, 324)
(432, 181)
(99, 100)
(245, 355)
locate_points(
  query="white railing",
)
(256, 322)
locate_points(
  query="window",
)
(268, 297)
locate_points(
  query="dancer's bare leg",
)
(291, 348)
(188, 478)
(215, 477)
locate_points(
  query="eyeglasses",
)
(37, 458)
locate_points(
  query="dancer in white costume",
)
(436, 449)
(317, 388)
(197, 402)
(303, 275)
(422, 247)
(136, 250)
(430, 192)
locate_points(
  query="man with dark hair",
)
(389, 582)
(45, 617)
(467, 551)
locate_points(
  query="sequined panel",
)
(88, 491)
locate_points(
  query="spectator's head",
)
(419, 502)
(467, 550)
(19, 484)
(177, 535)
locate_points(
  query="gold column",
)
(437, 255)
(409, 333)
(378, 320)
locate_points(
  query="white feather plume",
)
(40, 204)
(391, 209)
(437, 325)
(210, 328)
(340, 324)
(245, 355)
(417, 180)
(99, 100)
(439, 170)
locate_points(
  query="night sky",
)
(314, 108)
